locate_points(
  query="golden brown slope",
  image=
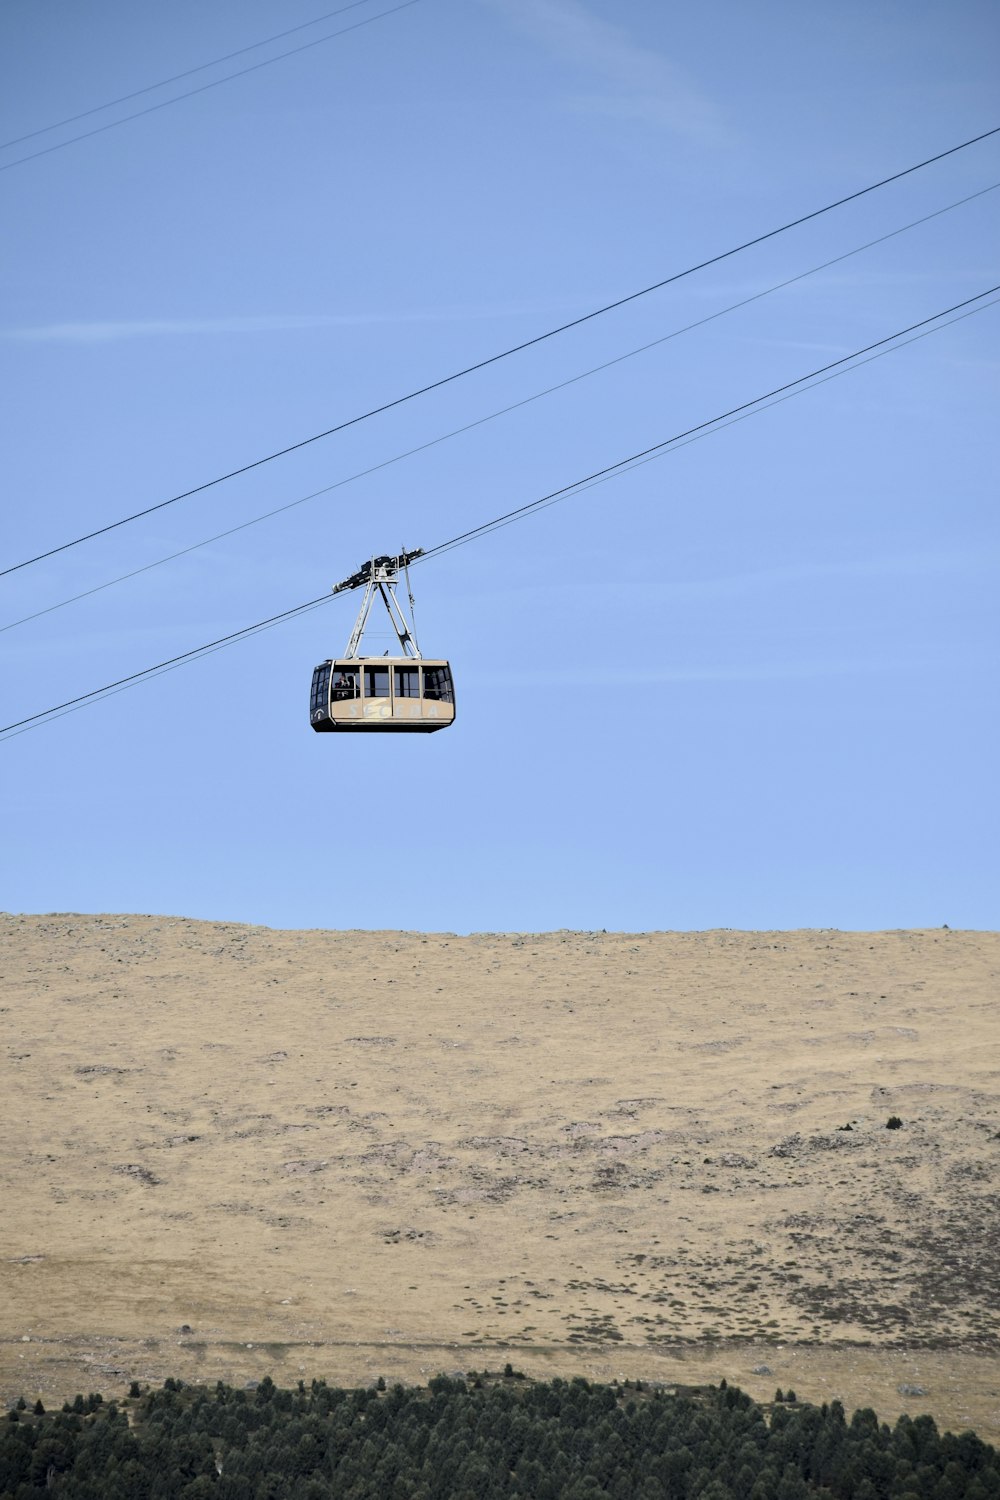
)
(358, 1153)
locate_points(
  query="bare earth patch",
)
(231, 1151)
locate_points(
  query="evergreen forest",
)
(476, 1438)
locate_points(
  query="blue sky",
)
(749, 684)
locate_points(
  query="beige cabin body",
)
(405, 693)
(382, 692)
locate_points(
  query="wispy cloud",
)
(103, 331)
(913, 565)
(625, 676)
(632, 81)
(688, 587)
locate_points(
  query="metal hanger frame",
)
(380, 577)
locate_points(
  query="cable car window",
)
(407, 684)
(376, 682)
(320, 683)
(345, 684)
(437, 684)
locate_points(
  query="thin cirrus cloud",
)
(110, 330)
(902, 566)
(619, 76)
(723, 672)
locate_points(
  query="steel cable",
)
(963, 309)
(504, 354)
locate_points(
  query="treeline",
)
(476, 1439)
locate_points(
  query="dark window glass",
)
(346, 684)
(437, 684)
(407, 683)
(376, 682)
(320, 683)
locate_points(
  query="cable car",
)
(407, 693)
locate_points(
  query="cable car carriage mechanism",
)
(407, 693)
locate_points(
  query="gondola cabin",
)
(382, 693)
(405, 693)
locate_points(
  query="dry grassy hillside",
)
(230, 1151)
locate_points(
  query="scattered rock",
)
(832, 1142)
(628, 1145)
(141, 1174)
(504, 1145)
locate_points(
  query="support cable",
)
(216, 62)
(490, 417)
(679, 438)
(695, 435)
(204, 87)
(842, 366)
(504, 354)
